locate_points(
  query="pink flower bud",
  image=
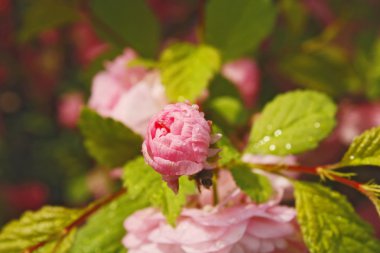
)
(177, 142)
(355, 118)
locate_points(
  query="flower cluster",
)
(120, 89)
(235, 225)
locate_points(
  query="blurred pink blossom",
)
(5, 6)
(237, 229)
(50, 37)
(355, 118)
(69, 109)
(368, 212)
(234, 225)
(245, 75)
(86, 43)
(131, 95)
(24, 196)
(177, 142)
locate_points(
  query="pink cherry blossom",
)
(86, 43)
(69, 108)
(23, 196)
(234, 225)
(177, 142)
(242, 228)
(131, 95)
(245, 74)
(356, 118)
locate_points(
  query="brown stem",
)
(81, 219)
(349, 182)
(312, 171)
(215, 191)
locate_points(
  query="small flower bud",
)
(177, 142)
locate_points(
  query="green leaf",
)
(171, 204)
(224, 105)
(187, 69)
(143, 62)
(59, 246)
(228, 152)
(110, 142)
(328, 222)
(256, 186)
(367, 64)
(326, 70)
(129, 22)
(104, 230)
(221, 87)
(237, 27)
(47, 223)
(141, 180)
(42, 15)
(292, 123)
(365, 149)
(228, 111)
(295, 14)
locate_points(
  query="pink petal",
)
(231, 235)
(265, 228)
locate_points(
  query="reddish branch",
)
(314, 171)
(80, 220)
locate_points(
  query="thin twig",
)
(311, 171)
(81, 219)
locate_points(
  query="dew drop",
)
(317, 125)
(278, 132)
(272, 147)
(266, 139)
(288, 146)
(352, 157)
